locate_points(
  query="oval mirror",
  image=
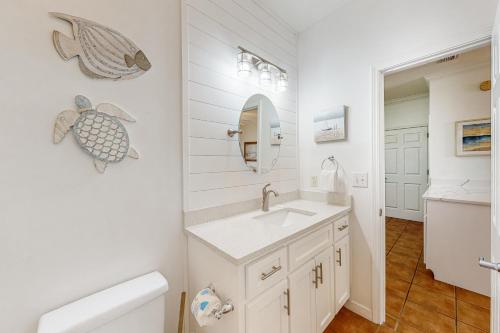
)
(260, 134)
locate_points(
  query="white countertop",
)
(241, 238)
(470, 193)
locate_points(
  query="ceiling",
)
(410, 88)
(413, 81)
(301, 14)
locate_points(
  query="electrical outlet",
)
(360, 180)
(314, 181)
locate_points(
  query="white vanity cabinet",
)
(269, 311)
(456, 233)
(311, 290)
(303, 298)
(296, 287)
(342, 272)
(325, 289)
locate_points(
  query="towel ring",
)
(332, 160)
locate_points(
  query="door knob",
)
(490, 265)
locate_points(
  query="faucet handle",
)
(264, 190)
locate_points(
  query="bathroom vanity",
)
(285, 270)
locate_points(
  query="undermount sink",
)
(285, 217)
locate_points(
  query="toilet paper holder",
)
(227, 305)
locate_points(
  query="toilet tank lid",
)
(98, 309)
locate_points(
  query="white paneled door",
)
(406, 172)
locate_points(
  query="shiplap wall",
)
(214, 172)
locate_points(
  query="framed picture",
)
(250, 151)
(331, 124)
(473, 137)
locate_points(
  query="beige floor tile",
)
(473, 298)
(427, 320)
(464, 328)
(398, 285)
(426, 280)
(473, 315)
(385, 329)
(402, 259)
(401, 272)
(349, 322)
(407, 328)
(433, 301)
(394, 228)
(390, 321)
(421, 266)
(410, 244)
(413, 252)
(394, 302)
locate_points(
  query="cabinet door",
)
(302, 299)
(268, 312)
(325, 301)
(342, 273)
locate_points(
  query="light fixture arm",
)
(262, 60)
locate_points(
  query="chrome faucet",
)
(265, 197)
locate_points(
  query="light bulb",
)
(283, 82)
(244, 65)
(265, 74)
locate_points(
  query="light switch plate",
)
(360, 180)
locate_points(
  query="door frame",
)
(377, 195)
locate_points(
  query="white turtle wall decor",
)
(98, 131)
(103, 53)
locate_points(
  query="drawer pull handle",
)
(339, 251)
(343, 227)
(287, 306)
(320, 266)
(267, 275)
(315, 281)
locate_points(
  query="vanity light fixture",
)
(244, 64)
(283, 82)
(265, 74)
(268, 72)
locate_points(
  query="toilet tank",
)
(135, 306)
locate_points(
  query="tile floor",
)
(415, 302)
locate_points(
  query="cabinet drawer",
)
(307, 247)
(265, 272)
(341, 227)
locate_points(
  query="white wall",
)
(407, 112)
(215, 173)
(67, 231)
(454, 98)
(336, 58)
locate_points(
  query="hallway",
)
(415, 302)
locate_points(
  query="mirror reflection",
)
(260, 136)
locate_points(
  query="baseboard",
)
(359, 309)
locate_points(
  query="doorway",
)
(404, 212)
